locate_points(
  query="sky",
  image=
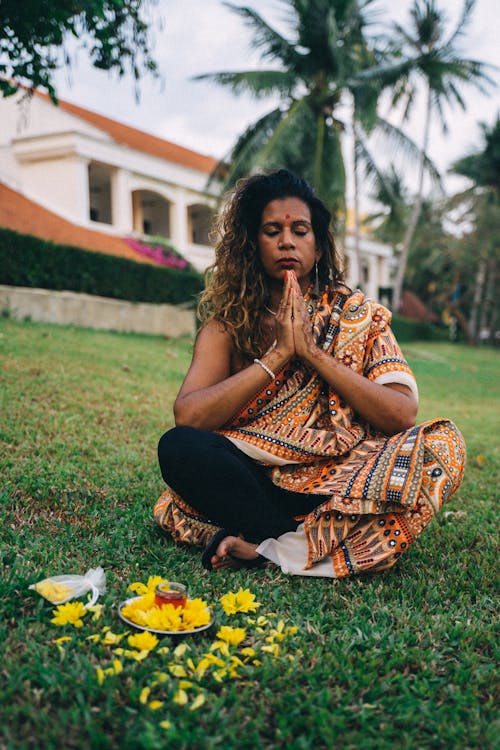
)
(192, 37)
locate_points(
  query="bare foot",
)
(231, 551)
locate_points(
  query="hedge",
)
(406, 329)
(31, 262)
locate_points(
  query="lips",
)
(287, 262)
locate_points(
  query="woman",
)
(296, 439)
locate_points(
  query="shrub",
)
(406, 329)
(31, 262)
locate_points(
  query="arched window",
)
(199, 222)
(151, 213)
(100, 193)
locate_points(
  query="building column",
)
(179, 223)
(121, 201)
(373, 276)
(82, 188)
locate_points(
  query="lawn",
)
(403, 660)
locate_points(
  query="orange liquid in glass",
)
(168, 594)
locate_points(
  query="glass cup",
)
(170, 592)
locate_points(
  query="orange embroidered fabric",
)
(375, 493)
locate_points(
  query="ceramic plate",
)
(160, 632)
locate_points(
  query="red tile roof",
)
(138, 139)
(412, 307)
(25, 216)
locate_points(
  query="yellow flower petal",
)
(53, 591)
(143, 641)
(62, 639)
(185, 684)
(177, 670)
(165, 724)
(96, 610)
(99, 675)
(180, 650)
(117, 666)
(180, 698)
(198, 702)
(144, 696)
(155, 705)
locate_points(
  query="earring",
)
(316, 283)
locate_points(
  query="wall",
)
(89, 311)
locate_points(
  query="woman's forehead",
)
(281, 209)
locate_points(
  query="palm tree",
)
(431, 56)
(329, 82)
(481, 206)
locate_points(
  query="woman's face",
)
(286, 240)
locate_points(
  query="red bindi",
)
(287, 216)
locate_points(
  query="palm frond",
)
(405, 147)
(271, 43)
(242, 157)
(258, 83)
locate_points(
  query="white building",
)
(94, 182)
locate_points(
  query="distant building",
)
(73, 176)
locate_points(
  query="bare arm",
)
(210, 394)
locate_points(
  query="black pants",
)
(211, 474)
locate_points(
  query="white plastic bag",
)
(60, 589)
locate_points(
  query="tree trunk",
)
(356, 271)
(476, 301)
(415, 214)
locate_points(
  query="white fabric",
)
(289, 552)
(403, 378)
(259, 454)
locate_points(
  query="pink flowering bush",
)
(161, 254)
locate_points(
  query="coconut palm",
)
(480, 204)
(320, 90)
(432, 57)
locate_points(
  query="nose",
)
(286, 239)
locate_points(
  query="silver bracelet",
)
(266, 368)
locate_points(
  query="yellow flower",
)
(198, 701)
(273, 649)
(232, 636)
(117, 666)
(110, 638)
(185, 684)
(145, 588)
(96, 610)
(95, 638)
(241, 601)
(180, 698)
(155, 705)
(63, 639)
(165, 724)
(177, 670)
(248, 652)
(161, 676)
(180, 650)
(143, 611)
(221, 646)
(131, 654)
(144, 696)
(70, 613)
(143, 641)
(99, 675)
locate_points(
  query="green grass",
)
(403, 660)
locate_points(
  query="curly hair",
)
(236, 290)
